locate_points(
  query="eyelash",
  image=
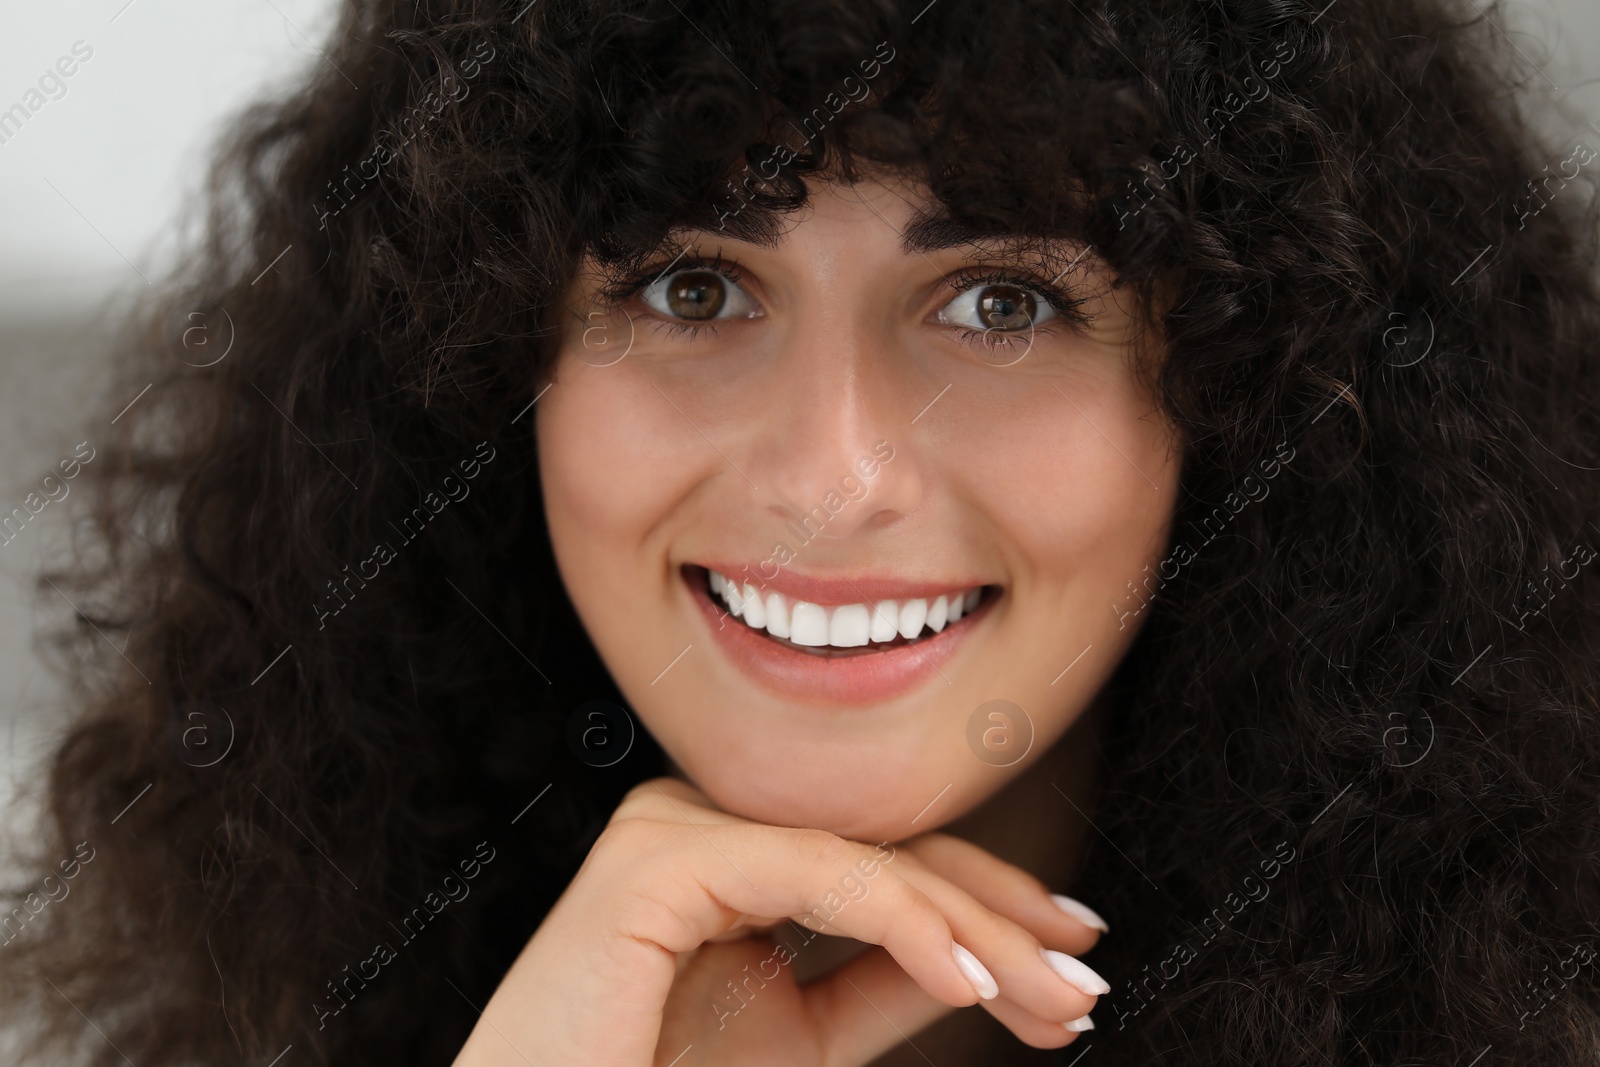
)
(1064, 304)
(614, 293)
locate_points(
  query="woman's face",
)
(858, 443)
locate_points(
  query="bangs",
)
(1023, 124)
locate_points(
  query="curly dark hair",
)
(1350, 804)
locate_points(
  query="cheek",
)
(1079, 477)
(615, 464)
(608, 453)
(1076, 484)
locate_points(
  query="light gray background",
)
(94, 192)
(95, 187)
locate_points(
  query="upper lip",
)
(830, 591)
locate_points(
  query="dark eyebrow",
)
(930, 230)
(933, 232)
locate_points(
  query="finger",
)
(870, 1006)
(1072, 927)
(661, 795)
(748, 925)
(1050, 984)
(734, 869)
(867, 1007)
(1029, 1028)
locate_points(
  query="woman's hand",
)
(616, 976)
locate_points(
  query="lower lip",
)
(866, 678)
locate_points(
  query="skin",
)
(1043, 468)
(667, 910)
(1053, 477)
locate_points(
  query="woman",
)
(681, 533)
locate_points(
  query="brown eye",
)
(697, 295)
(1005, 307)
(997, 306)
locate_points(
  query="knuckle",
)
(646, 918)
(632, 835)
(915, 913)
(620, 828)
(645, 796)
(821, 848)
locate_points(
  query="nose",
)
(836, 457)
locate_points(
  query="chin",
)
(866, 799)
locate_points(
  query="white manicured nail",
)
(1080, 911)
(1075, 972)
(976, 972)
(1077, 1026)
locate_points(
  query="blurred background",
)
(97, 179)
(99, 173)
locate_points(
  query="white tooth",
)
(777, 615)
(717, 583)
(848, 626)
(755, 609)
(955, 608)
(970, 601)
(808, 625)
(731, 594)
(912, 614)
(885, 616)
(937, 612)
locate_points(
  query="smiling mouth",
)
(842, 630)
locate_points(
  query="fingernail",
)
(1079, 1025)
(1075, 972)
(976, 972)
(1080, 911)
